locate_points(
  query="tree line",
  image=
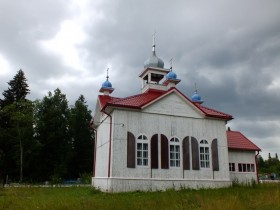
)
(269, 166)
(43, 139)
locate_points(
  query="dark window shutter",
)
(186, 153)
(215, 155)
(154, 151)
(164, 152)
(130, 150)
(195, 154)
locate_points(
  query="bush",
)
(85, 178)
(56, 180)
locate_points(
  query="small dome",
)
(196, 98)
(107, 84)
(171, 75)
(154, 61)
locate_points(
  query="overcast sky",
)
(230, 49)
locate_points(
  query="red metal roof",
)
(238, 141)
(104, 99)
(134, 102)
(212, 112)
(140, 100)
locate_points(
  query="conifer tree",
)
(82, 141)
(17, 90)
(52, 133)
(16, 125)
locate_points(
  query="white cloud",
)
(4, 66)
(274, 85)
(66, 42)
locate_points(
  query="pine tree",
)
(16, 126)
(17, 90)
(52, 132)
(82, 141)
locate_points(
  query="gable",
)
(173, 104)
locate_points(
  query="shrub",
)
(85, 178)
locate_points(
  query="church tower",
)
(155, 76)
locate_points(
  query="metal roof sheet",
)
(238, 141)
(140, 100)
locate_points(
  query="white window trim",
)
(234, 167)
(180, 149)
(210, 156)
(142, 141)
(248, 172)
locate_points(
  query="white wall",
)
(174, 104)
(150, 124)
(133, 184)
(102, 148)
(236, 156)
(171, 116)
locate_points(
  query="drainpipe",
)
(256, 161)
(110, 142)
(94, 155)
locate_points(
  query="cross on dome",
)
(106, 87)
(196, 97)
(154, 61)
(171, 75)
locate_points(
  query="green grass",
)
(265, 196)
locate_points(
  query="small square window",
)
(253, 167)
(239, 167)
(244, 167)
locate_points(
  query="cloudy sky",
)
(230, 49)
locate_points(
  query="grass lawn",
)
(264, 196)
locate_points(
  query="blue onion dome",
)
(171, 75)
(196, 97)
(107, 84)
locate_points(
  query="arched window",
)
(204, 154)
(142, 148)
(174, 152)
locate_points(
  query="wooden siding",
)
(173, 104)
(140, 122)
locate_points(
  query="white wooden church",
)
(160, 139)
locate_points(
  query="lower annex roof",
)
(238, 141)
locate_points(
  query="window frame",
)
(175, 154)
(142, 140)
(246, 168)
(203, 161)
(232, 167)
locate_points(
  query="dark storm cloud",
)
(230, 49)
(23, 25)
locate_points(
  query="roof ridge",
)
(215, 110)
(133, 96)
